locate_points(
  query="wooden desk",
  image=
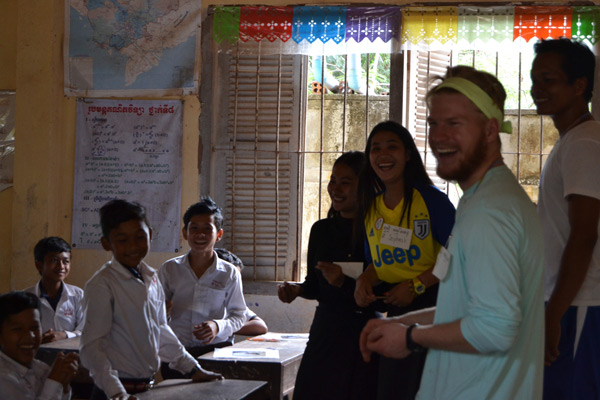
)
(183, 389)
(48, 351)
(279, 373)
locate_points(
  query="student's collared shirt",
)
(20, 382)
(68, 316)
(126, 333)
(217, 295)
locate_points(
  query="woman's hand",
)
(288, 292)
(363, 292)
(401, 295)
(332, 273)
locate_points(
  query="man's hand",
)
(52, 336)
(206, 331)
(288, 292)
(384, 336)
(401, 295)
(202, 375)
(553, 332)
(64, 369)
(332, 273)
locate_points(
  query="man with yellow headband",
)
(485, 336)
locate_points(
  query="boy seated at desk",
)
(208, 305)
(21, 375)
(126, 334)
(254, 324)
(61, 304)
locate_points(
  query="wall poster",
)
(128, 149)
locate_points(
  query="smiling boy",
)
(126, 333)
(61, 304)
(21, 375)
(208, 304)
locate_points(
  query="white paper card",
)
(396, 236)
(351, 269)
(245, 353)
(442, 263)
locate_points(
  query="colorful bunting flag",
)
(372, 23)
(429, 24)
(323, 23)
(542, 22)
(271, 23)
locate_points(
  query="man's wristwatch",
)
(418, 286)
(410, 344)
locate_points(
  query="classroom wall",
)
(41, 200)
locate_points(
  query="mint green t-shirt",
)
(494, 286)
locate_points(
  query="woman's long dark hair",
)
(414, 172)
(355, 160)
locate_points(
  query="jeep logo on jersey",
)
(421, 228)
(398, 255)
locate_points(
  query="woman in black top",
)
(332, 366)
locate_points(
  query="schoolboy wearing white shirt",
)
(204, 292)
(61, 304)
(126, 333)
(21, 375)
(216, 296)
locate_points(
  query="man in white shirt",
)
(569, 208)
(61, 303)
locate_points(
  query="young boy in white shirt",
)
(21, 375)
(208, 304)
(126, 335)
(61, 304)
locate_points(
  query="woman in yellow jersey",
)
(406, 220)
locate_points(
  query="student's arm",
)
(363, 293)
(79, 317)
(371, 336)
(64, 370)
(235, 307)
(584, 213)
(254, 325)
(98, 311)
(389, 339)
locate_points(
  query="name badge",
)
(396, 236)
(441, 264)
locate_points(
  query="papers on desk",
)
(244, 353)
(279, 337)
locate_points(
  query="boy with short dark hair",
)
(61, 304)
(21, 375)
(208, 305)
(126, 333)
(254, 324)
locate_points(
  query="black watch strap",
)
(410, 344)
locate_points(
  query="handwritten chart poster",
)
(128, 150)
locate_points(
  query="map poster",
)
(128, 150)
(123, 48)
